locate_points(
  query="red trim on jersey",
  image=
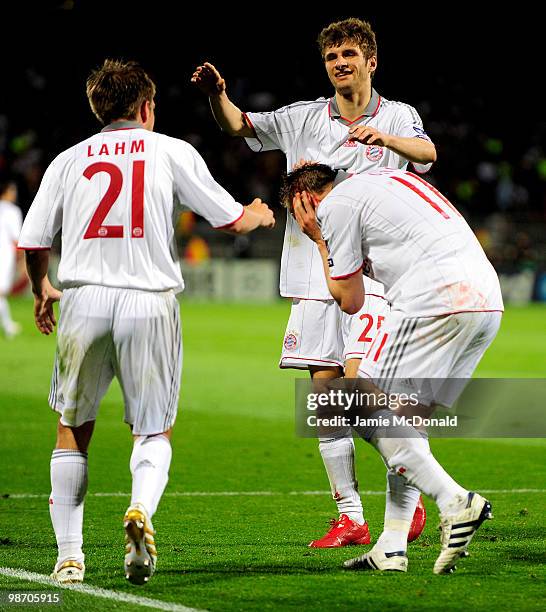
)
(247, 118)
(33, 248)
(420, 193)
(232, 222)
(435, 192)
(353, 121)
(347, 275)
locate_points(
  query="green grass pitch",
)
(235, 434)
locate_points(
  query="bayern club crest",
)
(374, 153)
(290, 341)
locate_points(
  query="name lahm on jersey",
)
(120, 148)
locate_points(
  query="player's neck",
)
(353, 104)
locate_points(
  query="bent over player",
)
(446, 311)
(115, 198)
(355, 130)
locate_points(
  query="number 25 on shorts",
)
(364, 336)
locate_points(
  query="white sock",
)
(339, 460)
(68, 489)
(400, 504)
(150, 462)
(412, 458)
(6, 321)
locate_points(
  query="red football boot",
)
(343, 532)
(419, 521)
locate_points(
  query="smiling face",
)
(348, 69)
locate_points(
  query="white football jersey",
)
(116, 197)
(412, 239)
(11, 220)
(316, 131)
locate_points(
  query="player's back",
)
(420, 246)
(118, 207)
(114, 196)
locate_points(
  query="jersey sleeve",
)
(196, 190)
(44, 217)
(341, 229)
(410, 125)
(273, 130)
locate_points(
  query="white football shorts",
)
(415, 351)
(320, 334)
(134, 335)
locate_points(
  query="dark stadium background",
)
(476, 81)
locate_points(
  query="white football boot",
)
(68, 572)
(457, 531)
(379, 560)
(140, 551)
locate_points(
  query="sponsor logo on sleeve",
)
(420, 132)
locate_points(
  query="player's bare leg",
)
(66, 503)
(150, 462)
(338, 457)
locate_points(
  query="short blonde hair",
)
(117, 90)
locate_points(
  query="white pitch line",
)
(246, 493)
(145, 602)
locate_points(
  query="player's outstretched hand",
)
(262, 209)
(209, 80)
(368, 135)
(44, 316)
(305, 215)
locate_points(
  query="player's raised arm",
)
(229, 117)
(196, 188)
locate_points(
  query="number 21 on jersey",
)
(96, 227)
